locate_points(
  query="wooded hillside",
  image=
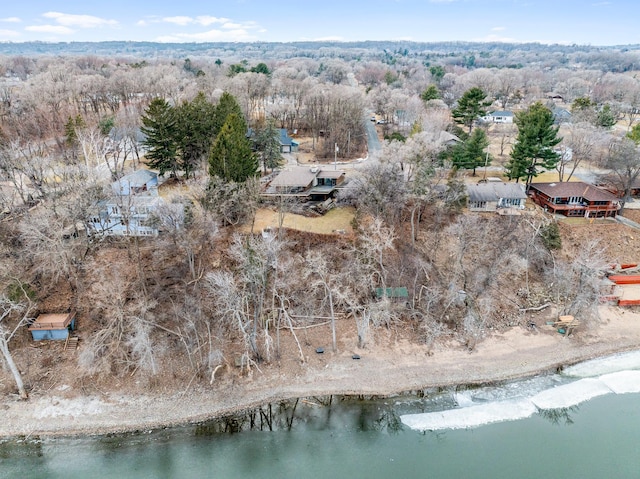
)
(209, 292)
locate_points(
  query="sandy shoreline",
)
(502, 357)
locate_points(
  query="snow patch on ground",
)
(56, 407)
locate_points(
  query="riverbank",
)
(381, 371)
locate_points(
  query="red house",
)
(574, 199)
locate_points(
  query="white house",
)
(503, 116)
(130, 211)
(492, 196)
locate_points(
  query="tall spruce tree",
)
(225, 107)
(160, 130)
(194, 132)
(471, 106)
(471, 154)
(534, 147)
(267, 145)
(231, 157)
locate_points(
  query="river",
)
(594, 434)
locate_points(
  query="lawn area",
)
(550, 177)
(335, 219)
(581, 221)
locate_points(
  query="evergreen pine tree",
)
(194, 132)
(226, 106)
(430, 93)
(534, 147)
(231, 156)
(471, 106)
(267, 145)
(160, 130)
(471, 154)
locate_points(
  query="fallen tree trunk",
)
(537, 308)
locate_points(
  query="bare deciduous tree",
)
(19, 312)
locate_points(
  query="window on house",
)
(477, 204)
(510, 202)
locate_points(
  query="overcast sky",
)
(614, 22)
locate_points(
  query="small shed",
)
(394, 294)
(53, 326)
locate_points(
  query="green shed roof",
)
(400, 292)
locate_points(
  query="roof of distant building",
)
(285, 139)
(137, 178)
(494, 191)
(574, 189)
(501, 113)
(298, 176)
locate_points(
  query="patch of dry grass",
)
(335, 219)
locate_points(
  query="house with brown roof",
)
(311, 183)
(574, 199)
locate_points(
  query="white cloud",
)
(498, 29)
(142, 23)
(179, 20)
(10, 20)
(4, 34)
(207, 20)
(232, 26)
(81, 21)
(228, 30)
(57, 29)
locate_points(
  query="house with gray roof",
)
(494, 196)
(312, 183)
(139, 181)
(561, 115)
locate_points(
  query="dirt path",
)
(380, 371)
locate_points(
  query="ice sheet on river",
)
(570, 394)
(622, 382)
(610, 364)
(471, 416)
(528, 402)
